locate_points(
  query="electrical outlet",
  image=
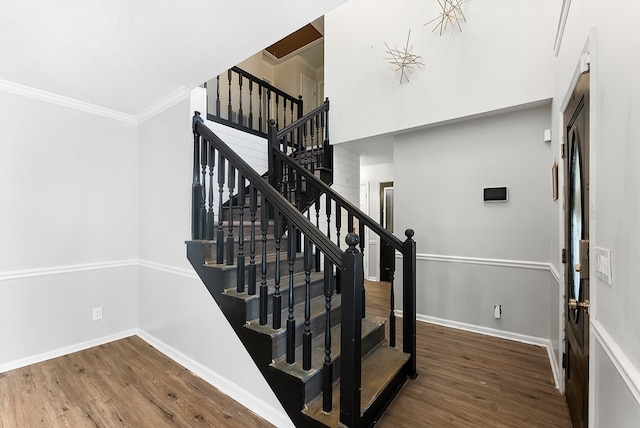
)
(497, 311)
(97, 313)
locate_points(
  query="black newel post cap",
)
(352, 239)
(196, 119)
(409, 233)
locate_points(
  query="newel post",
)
(409, 300)
(351, 331)
(197, 213)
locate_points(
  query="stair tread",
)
(299, 278)
(378, 369)
(271, 257)
(317, 308)
(369, 324)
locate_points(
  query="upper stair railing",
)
(246, 102)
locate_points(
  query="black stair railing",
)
(243, 101)
(284, 168)
(307, 141)
(277, 210)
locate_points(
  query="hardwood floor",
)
(126, 383)
(471, 380)
(465, 380)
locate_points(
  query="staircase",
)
(292, 295)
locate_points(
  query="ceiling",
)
(128, 55)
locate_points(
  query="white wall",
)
(68, 186)
(502, 57)
(177, 314)
(473, 254)
(615, 202)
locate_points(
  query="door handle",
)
(574, 304)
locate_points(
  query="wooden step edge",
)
(369, 326)
(380, 369)
(271, 258)
(317, 309)
(315, 277)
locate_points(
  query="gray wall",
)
(473, 254)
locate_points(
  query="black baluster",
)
(327, 366)
(230, 243)
(338, 220)
(264, 226)
(277, 298)
(291, 322)
(284, 114)
(253, 207)
(277, 118)
(260, 119)
(392, 304)
(318, 158)
(317, 204)
(203, 197)
(218, 96)
(250, 104)
(306, 337)
(361, 231)
(221, 177)
(211, 158)
(241, 264)
(229, 108)
(269, 115)
(240, 118)
(327, 206)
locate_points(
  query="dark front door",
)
(576, 120)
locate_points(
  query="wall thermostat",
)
(496, 194)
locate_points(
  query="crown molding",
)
(562, 22)
(61, 100)
(165, 103)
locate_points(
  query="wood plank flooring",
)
(471, 380)
(126, 383)
(466, 380)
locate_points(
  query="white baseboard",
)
(627, 370)
(23, 362)
(228, 387)
(517, 337)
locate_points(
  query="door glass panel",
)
(576, 221)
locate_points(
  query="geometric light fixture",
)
(403, 59)
(451, 14)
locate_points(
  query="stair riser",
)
(317, 326)
(231, 273)
(211, 254)
(253, 305)
(313, 385)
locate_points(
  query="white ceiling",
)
(127, 55)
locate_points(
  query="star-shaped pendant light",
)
(403, 59)
(451, 14)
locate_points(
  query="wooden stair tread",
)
(317, 309)
(369, 325)
(299, 278)
(378, 370)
